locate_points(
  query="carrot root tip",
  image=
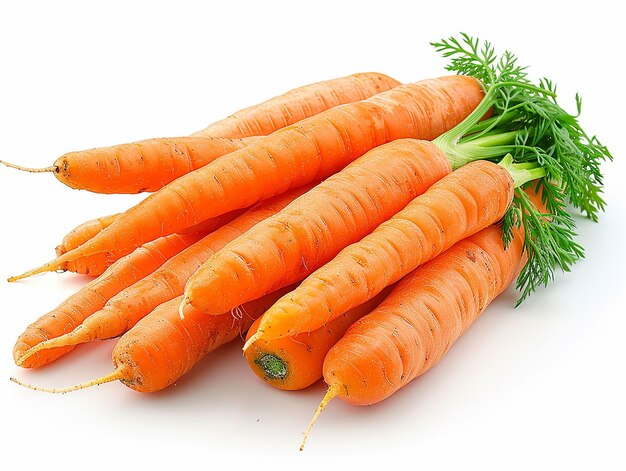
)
(115, 375)
(52, 168)
(333, 390)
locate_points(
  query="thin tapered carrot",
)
(294, 363)
(137, 167)
(418, 322)
(457, 206)
(136, 300)
(95, 264)
(162, 347)
(311, 150)
(297, 104)
(313, 229)
(78, 307)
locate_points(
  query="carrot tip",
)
(113, 376)
(181, 309)
(256, 336)
(333, 390)
(50, 266)
(52, 168)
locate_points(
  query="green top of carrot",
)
(528, 126)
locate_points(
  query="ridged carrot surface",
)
(311, 150)
(74, 310)
(310, 231)
(423, 316)
(120, 311)
(298, 104)
(457, 206)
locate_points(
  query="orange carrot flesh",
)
(457, 206)
(83, 232)
(294, 363)
(310, 231)
(120, 311)
(312, 150)
(74, 310)
(300, 103)
(423, 316)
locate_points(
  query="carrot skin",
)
(312, 150)
(300, 103)
(142, 166)
(457, 206)
(311, 230)
(413, 328)
(301, 357)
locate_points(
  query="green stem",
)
(524, 172)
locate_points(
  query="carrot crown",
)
(528, 133)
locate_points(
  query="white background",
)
(538, 387)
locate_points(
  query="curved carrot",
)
(457, 206)
(162, 347)
(313, 149)
(313, 229)
(136, 300)
(138, 167)
(78, 307)
(419, 321)
(294, 363)
(83, 232)
(297, 104)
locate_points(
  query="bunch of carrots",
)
(351, 229)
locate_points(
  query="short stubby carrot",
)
(294, 363)
(310, 231)
(311, 150)
(74, 310)
(133, 301)
(298, 104)
(418, 322)
(163, 346)
(457, 206)
(137, 167)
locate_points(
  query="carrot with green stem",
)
(311, 150)
(163, 347)
(297, 104)
(294, 363)
(413, 328)
(118, 313)
(540, 140)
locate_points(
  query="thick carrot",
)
(313, 229)
(293, 363)
(313, 149)
(130, 304)
(298, 104)
(137, 167)
(78, 307)
(162, 347)
(457, 206)
(419, 321)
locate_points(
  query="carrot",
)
(312, 150)
(137, 167)
(310, 231)
(298, 104)
(418, 322)
(162, 347)
(296, 362)
(133, 301)
(83, 232)
(78, 307)
(457, 206)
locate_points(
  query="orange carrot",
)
(82, 233)
(78, 307)
(313, 149)
(138, 166)
(459, 205)
(419, 321)
(127, 306)
(297, 104)
(293, 363)
(313, 229)
(162, 347)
